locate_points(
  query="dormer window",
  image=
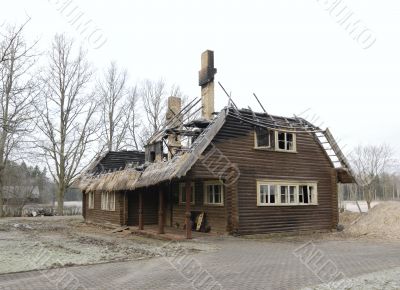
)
(262, 138)
(285, 141)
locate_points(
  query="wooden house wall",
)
(150, 206)
(97, 215)
(215, 214)
(236, 142)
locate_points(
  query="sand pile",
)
(382, 221)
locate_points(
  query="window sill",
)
(213, 204)
(273, 150)
(293, 204)
(285, 151)
(184, 203)
(263, 148)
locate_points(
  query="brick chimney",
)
(206, 81)
(174, 107)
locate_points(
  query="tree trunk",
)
(369, 198)
(60, 200)
(1, 203)
(1, 190)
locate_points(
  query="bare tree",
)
(18, 94)
(115, 108)
(6, 46)
(67, 116)
(369, 163)
(133, 117)
(153, 96)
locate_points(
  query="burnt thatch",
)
(150, 174)
(154, 173)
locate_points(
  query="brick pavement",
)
(237, 264)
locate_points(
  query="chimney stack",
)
(174, 108)
(206, 81)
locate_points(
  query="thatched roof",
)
(154, 173)
(150, 174)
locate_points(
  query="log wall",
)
(310, 163)
(97, 215)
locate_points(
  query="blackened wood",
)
(84, 204)
(118, 160)
(141, 227)
(161, 210)
(188, 223)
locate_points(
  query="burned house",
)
(234, 171)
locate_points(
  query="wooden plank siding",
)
(97, 215)
(236, 141)
(150, 206)
(215, 214)
(233, 147)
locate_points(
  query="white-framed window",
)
(267, 194)
(285, 141)
(108, 201)
(213, 193)
(262, 138)
(288, 194)
(182, 193)
(91, 200)
(307, 194)
(271, 192)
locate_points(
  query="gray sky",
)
(293, 54)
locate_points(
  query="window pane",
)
(302, 193)
(305, 193)
(217, 198)
(264, 189)
(262, 136)
(289, 137)
(272, 193)
(262, 198)
(289, 146)
(281, 145)
(291, 195)
(283, 194)
(263, 193)
(210, 197)
(311, 192)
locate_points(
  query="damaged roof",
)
(154, 173)
(130, 178)
(117, 160)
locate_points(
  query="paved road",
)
(237, 264)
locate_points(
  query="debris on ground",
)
(31, 243)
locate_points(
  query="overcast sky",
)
(293, 54)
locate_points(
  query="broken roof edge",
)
(158, 172)
(340, 155)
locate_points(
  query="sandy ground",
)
(382, 221)
(46, 242)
